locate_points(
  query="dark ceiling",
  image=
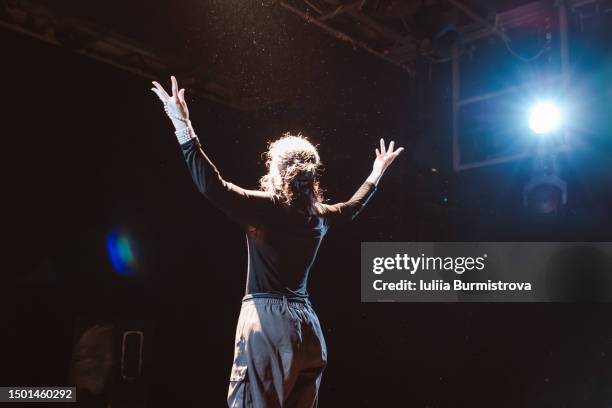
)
(237, 52)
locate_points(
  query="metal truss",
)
(97, 42)
(351, 23)
(389, 36)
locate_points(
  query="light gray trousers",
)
(279, 356)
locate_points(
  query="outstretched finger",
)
(391, 146)
(162, 92)
(382, 146)
(398, 151)
(174, 86)
(377, 153)
(156, 92)
(181, 95)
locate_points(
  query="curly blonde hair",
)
(293, 163)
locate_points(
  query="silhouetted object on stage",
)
(108, 364)
(546, 192)
(580, 274)
(131, 355)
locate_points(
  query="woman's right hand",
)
(174, 105)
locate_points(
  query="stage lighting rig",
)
(522, 57)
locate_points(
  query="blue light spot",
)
(120, 253)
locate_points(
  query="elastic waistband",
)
(274, 298)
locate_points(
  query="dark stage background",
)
(88, 149)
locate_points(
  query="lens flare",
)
(120, 253)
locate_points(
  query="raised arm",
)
(348, 210)
(243, 206)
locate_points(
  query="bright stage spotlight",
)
(544, 118)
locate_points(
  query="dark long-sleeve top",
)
(282, 241)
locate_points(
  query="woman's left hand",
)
(384, 157)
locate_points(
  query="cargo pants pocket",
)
(238, 395)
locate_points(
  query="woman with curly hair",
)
(280, 351)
